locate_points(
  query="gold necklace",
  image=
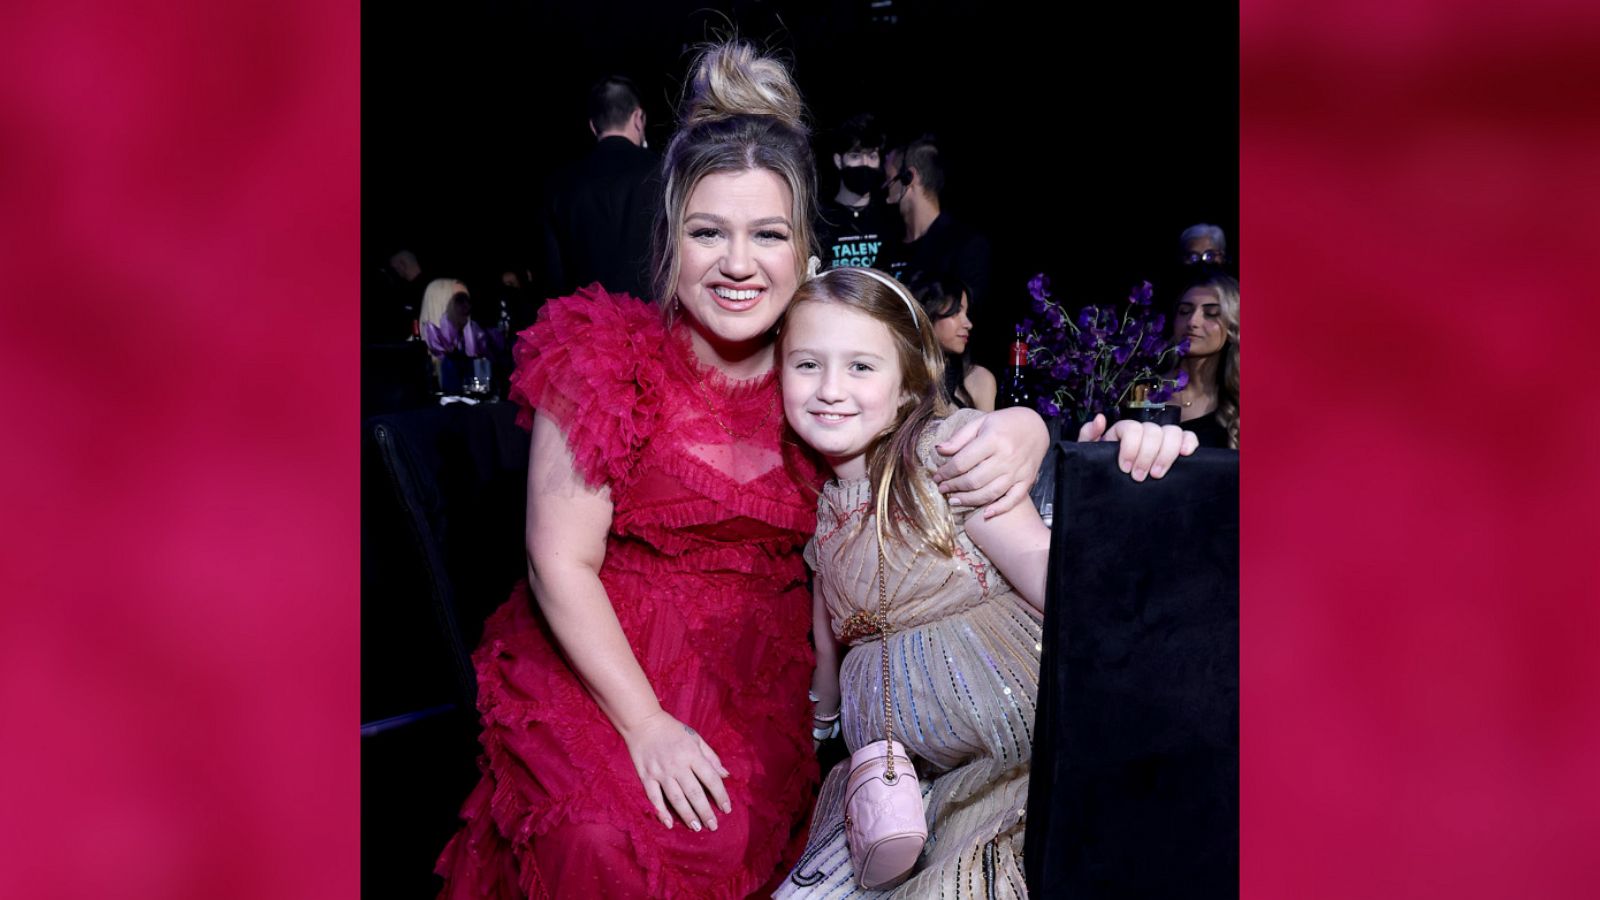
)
(691, 369)
(711, 407)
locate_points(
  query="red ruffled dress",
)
(703, 567)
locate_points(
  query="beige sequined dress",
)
(964, 663)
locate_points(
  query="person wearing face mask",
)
(856, 225)
(1207, 316)
(934, 241)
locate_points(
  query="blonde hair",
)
(908, 504)
(1228, 384)
(436, 299)
(740, 111)
(1227, 291)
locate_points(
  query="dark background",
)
(1080, 142)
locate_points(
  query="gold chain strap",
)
(883, 639)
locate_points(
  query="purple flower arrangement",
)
(1090, 363)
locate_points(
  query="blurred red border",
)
(180, 190)
(181, 194)
(1421, 693)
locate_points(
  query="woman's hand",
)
(1147, 448)
(678, 768)
(994, 460)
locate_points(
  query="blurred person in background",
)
(1203, 244)
(598, 216)
(856, 225)
(944, 298)
(935, 241)
(1207, 317)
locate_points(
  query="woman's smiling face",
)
(737, 270)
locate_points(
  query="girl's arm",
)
(566, 533)
(825, 680)
(1018, 543)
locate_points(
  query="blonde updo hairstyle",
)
(906, 498)
(740, 111)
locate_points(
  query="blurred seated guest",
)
(934, 240)
(449, 332)
(514, 305)
(1208, 319)
(391, 299)
(1203, 244)
(944, 297)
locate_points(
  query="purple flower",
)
(1061, 370)
(1120, 354)
(1048, 408)
(1053, 316)
(1183, 347)
(1181, 381)
(1039, 287)
(1027, 326)
(1161, 394)
(1086, 317)
(1142, 294)
(1158, 325)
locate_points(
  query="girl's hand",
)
(826, 704)
(1147, 448)
(994, 460)
(677, 768)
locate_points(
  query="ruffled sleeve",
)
(593, 363)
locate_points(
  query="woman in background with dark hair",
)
(945, 299)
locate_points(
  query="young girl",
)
(861, 370)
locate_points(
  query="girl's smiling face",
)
(841, 382)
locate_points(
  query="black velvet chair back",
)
(1135, 780)
(442, 508)
(444, 518)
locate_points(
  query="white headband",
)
(813, 264)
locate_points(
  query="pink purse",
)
(884, 822)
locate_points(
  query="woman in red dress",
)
(646, 727)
